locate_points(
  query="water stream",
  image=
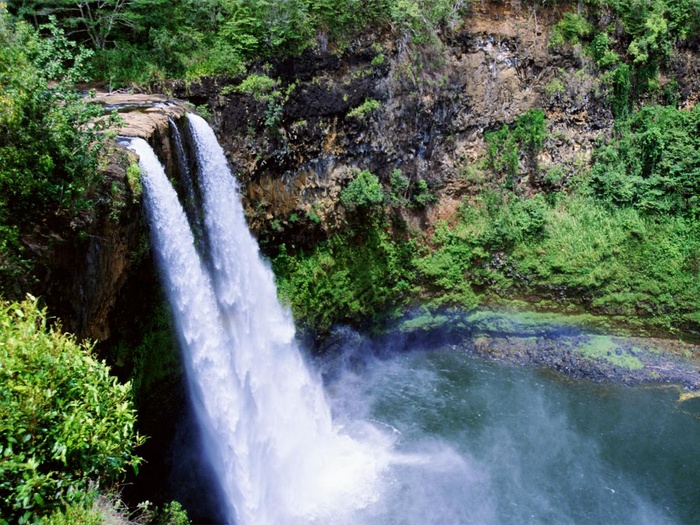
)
(399, 436)
(267, 426)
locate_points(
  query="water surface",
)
(477, 441)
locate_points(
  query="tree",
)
(90, 20)
(64, 420)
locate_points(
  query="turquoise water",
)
(483, 442)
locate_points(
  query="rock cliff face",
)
(296, 148)
(84, 274)
(380, 104)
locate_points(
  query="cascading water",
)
(267, 426)
(470, 442)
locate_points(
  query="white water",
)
(267, 425)
(476, 443)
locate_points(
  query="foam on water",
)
(267, 425)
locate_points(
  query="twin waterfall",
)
(266, 424)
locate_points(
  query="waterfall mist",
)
(403, 432)
(265, 422)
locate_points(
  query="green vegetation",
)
(605, 349)
(349, 277)
(630, 51)
(49, 155)
(362, 193)
(65, 422)
(141, 41)
(505, 146)
(571, 29)
(653, 163)
(366, 107)
(623, 239)
(258, 86)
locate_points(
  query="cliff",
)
(297, 130)
(295, 149)
(83, 270)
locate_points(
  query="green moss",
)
(425, 321)
(604, 348)
(363, 109)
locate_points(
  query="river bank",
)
(569, 345)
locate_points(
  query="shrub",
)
(570, 30)
(350, 277)
(367, 106)
(257, 86)
(363, 192)
(421, 194)
(64, 420)
(653, 163)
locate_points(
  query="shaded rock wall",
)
(86, 269)
(294, 152)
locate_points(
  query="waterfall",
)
(267, 426)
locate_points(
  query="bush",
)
(257, 86)
(350, 277)
(64, 420)
(363, 192)
(570, 30)
(363, 109)
(653, 164)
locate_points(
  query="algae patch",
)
(602, 347)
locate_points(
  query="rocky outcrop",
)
(296, 148)
(86, 269)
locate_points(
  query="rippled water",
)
(478, 441)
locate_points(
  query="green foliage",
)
(363, 109)
(171, 514)
(555, 87)
(398, 191)
(620, 98)
(423, 18)
(554, 176)
(635, 47)
(133, 178)
(59, 58)
(623, 262)
(603, 56)
(49, 154)
(570, 30)
(445, 269)
(64, 420)
(74, 514)
(45, 149)
(350, 277)
(502, 153)
(617, 260)
(258, 86)
(531, 130)
(653, 164)
(505, 145)
(362, 193)
(94, 22)
(422, 195)
(149, 40)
